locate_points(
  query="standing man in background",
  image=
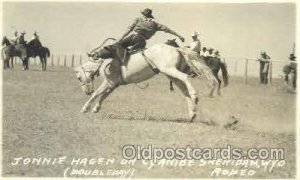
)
(264, 63)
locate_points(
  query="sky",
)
(236, 30)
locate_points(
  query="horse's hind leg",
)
(175, 73)
(11, 62)
(191, 104)
(105, 86)
(43, 63)
(6, 64)
(219, 85)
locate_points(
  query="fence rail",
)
(238, 66)
(250, 67)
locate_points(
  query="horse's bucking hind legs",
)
(191, 103)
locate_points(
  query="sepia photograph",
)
(149, 89)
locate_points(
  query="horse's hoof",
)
(196, 100)
(95, 110)
(193, 117)
(84, 110)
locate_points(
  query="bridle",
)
(86, 77)
(92, 74)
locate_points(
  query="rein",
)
(102, 44)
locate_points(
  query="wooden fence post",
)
(80, 60)
(270, 73)
(65, 61)
(235, 66)
(52, 56)
(58, 60)
(72, 62)
(246, 71)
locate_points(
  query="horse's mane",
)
(31, 42)
(90, 66)
(172, 42)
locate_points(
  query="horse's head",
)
(5, 41)
(172, 42)
(85, 74)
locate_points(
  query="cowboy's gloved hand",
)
(181, 38)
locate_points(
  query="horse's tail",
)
(200, 68)
(47, 52)
(224, 73)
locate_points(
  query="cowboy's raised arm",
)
(164, 28)
(130, 28)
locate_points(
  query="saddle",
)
(120, 57)
(122, 54)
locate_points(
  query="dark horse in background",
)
(32, 49)
(215, 64)
(35, 49)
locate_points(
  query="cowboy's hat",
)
(263, 52)
(292, 57)
(147, 12)
(194, 34)
(23, 32)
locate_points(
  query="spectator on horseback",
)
(36, 39)
(217, 54)
(144, 28)
(210, 52)
(15, 38)
(21, 45)
(204, 52)
(292, 57)
(21, 39)
(196, 44)
(264, 62)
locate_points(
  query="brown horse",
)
(35, 49)
(8, 52)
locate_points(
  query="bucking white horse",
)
(140, 67)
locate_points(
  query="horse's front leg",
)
(11, 62)
(25, 63)
(104, 86)
(105, 94)
(42, 62)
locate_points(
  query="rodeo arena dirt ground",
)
(41, 118)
